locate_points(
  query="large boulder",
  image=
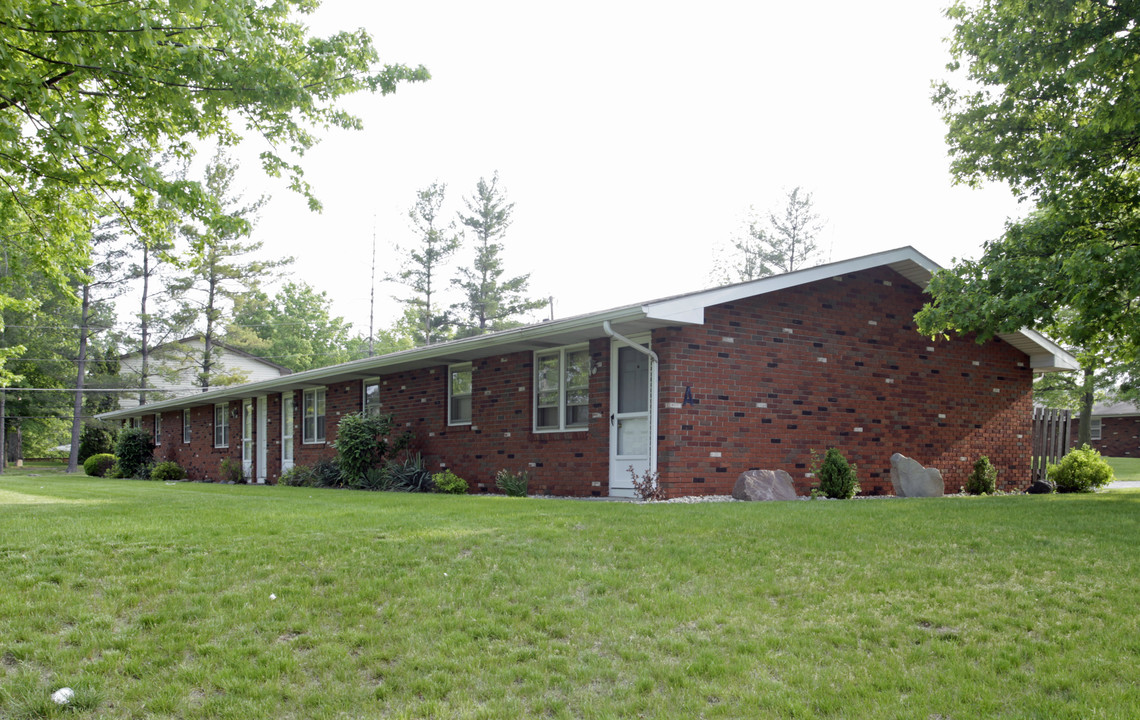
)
(764, 485)
(910, 479)
(1042, 487)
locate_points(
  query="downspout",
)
(654, 361)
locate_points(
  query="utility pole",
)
(372, 294)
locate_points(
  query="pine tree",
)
(420, 271)
(784, 243)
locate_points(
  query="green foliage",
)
(422, 265)
(490, 301)
(231, 471)
(1081, 470)
(409, 475)
(167, 470)
(327, 473)
(293, 328)
(512, 484)
(298, 476)
(782, 243)
(1049, 105)
(836, 476)
(983, 478)
(449, 483)
(374, 478)
(99, 465)
(95, 438)
(135, 452)
(360, 443)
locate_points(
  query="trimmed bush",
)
(1081, 470)
(96, 439)
(99, 465)
(449, 483)
(359, 444)
(135, 452)
(836, 476)
(168, 470)
(983, 479)
(512, 484)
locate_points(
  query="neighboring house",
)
(696, 388)
(173, 368)
(1114, 430)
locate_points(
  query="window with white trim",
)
(158, 428)
(186, 425)
(459, 394)
(222, 425)
(562, 389)
(313, 416)
(371, 392)
(1094, 429)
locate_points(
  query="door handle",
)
(611, 419)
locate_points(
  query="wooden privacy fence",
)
(1050, 438)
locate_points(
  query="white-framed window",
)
(158, 428)
(371, 396)
(1094, 428)
(286, 430)
(313, 416)
(186, 425)
(222, 425)
(562, 389)
(459, 394)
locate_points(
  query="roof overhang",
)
(688, 309)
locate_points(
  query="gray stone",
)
(764, 485)
(1041, 487)
(910, 479)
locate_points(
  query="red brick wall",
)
(836, 364)
(1119, 436)
(831, 364)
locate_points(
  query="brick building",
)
(1115, 429)
(696, 388)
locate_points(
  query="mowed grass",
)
(157, 600)
(1125, 468)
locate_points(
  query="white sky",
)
(633, 137)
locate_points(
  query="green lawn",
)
(1125, 468)
(209, 601)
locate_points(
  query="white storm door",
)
(286, 431)
(262, 438)
(247, 438)
(632, 416)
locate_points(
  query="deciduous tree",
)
(782, 242)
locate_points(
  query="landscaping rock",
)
(911, 479)
(1041, 487)
(764, 485)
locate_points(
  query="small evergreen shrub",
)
(449, 483)
(231, 471)
(409, 475)
(99, 465)
(167, 470)
(374, 478)
(1081, 470)
(298, 476)
(512, 484)
(836, 476)
(983, 479)
(96, 438)
(135, 452)
(360, 443)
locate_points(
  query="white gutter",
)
(618, 336)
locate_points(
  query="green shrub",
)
(409, 475)
(326, 473)
(135, 452)
(836, 476)
(298, 476)
(1081, 470)
(512, 484)
(96, 438)
(360, 444)
(449, 483)
(374, 478)
(231, 471)
(99, 465)
(983, 480)
(168, 470)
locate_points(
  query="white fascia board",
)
(687, 307)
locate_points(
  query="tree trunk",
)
(3, 428)
(144, 326)
(77, 414)
(1084, 427)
